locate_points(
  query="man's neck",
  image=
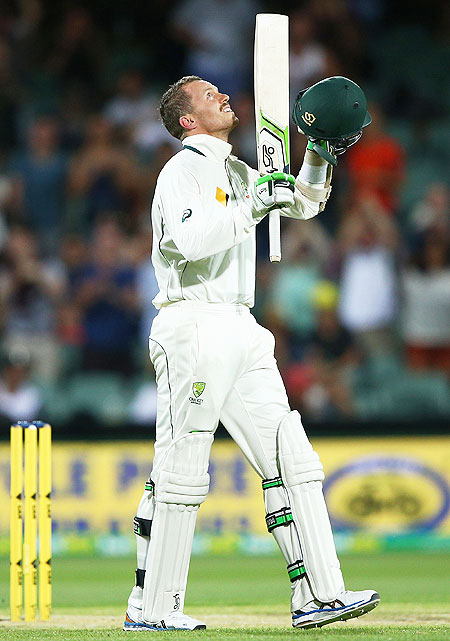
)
(221, 135)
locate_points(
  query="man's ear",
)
(188, 122)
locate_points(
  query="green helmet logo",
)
(333, 110)
(308, 118)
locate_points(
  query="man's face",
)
(211, 112)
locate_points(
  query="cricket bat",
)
(272, 106)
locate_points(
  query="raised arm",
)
(202, 226)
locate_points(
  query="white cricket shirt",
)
(203, 221)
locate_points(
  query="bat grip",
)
(274, 236)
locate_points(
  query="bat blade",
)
(272, 105)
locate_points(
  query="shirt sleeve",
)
(199, 224)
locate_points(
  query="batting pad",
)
(181, 485)
(302, 473)
(280, 523)
(142, 527)
(183, 477)
(168, 560)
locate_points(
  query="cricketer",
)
(213, 361)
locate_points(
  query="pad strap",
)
(140, 576)
(268, 483)
(296, 570)
(142, 527)
(279, 518)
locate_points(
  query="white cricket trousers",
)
(214, 362)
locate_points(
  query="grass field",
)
(244, 599)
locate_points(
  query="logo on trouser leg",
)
(177, 601)
(197, 389)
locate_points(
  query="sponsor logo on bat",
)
(268, 153)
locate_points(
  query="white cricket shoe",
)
(347, 605)
(173, 621)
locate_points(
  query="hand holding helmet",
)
(332, 114)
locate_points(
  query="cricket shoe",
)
(173, 621)
(348, 605)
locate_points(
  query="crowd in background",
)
(360, 304)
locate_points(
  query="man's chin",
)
(235, 122)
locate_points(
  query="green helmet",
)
(332, 114)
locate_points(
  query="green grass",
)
(244, 598)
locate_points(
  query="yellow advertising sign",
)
(388, 486)
(378, 485)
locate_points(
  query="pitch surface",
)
(244, 598)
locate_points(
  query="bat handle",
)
(274, 236)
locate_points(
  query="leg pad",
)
(182, 477)
(302, 474)
(181, 485)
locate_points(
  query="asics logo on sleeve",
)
(186, 214)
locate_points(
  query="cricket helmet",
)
(333, 110)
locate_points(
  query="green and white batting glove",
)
(273, 191)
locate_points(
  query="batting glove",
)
(324, 149)
(273, 191)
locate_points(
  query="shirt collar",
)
(209, 146)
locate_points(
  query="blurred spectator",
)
(78, 53)
(331, 343)
(342, 34)
(20, 399)
(69, 321)
(243, 138)
(149, 175)
(105, 292)
(305, 247)
(218, 35)
(73, 257)
(76, 105)
(432, 213)
(6, 192)
(142, 408)
(29, 290)
(10, 94)
(376, 165)
(426, 305)
(39, 183)
(367, 242)
(321, 384)
(309, 60)
(146, 283)
(133, 111)
(132, 104)
(318, 391)
(102, 177)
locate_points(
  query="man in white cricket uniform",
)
(214, 362)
